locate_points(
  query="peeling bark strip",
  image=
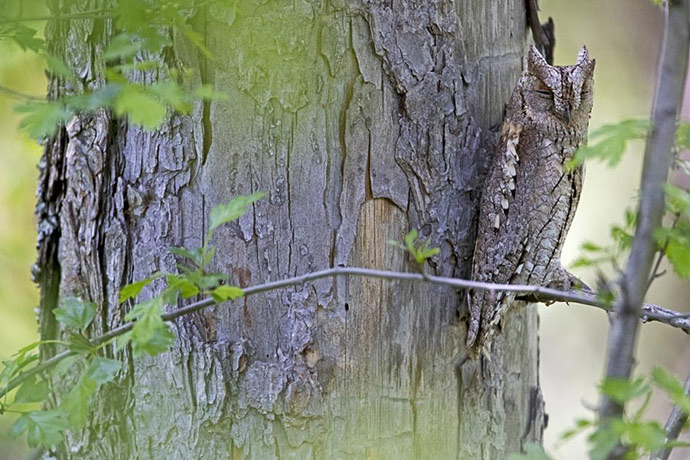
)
(361, 120)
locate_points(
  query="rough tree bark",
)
(361, 120)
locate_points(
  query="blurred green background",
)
(18, 175)
(623, 35)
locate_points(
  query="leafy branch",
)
(419, 250)
(142, 28)
(658, 159)
(641, 437)
(147, 331)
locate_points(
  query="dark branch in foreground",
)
(675, 423)
(532, 293)
(658, 159)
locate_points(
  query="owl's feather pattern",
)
(529, 199)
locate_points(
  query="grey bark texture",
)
(361, 120)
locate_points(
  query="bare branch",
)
(19, 95)
(532, 293)
(658, 159)
(674, 425)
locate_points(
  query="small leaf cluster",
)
(640, 437)
(608, 143)
(673, 238)
(149, 334)
(46, 427)
(142, 29)
(621, 235)
(420, 250)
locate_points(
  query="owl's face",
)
(563, 94)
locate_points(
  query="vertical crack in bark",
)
(189, 366)
(288, 161)
(46, 271)
(207, 75)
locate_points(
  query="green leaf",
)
(196, 38)
(234, 209)
(21, 359)
(80, 344)
(150, 334)
(42, 119)
(648, 435)
(183, 285)
(123, 46)
(206, 255)
(673, 387)
(159, 340)
(606, 296)
(133, 289)
(75, 313)
(679, 256)
(64, 366)
(223, 293)
(211, 280)
(141, 108)
(186, 254)
(532, 452)
(621, 237)
(32, 390)
(25, 38)
(172, 94)
(580, 425)
(102, 370)
(602, 441)
(44, 428)
(637, 416)
(683, 135)
(608, 143)
(591, 247)
(76, 402)
(677, 199)
(92, 100)
(131, 15)
(58, 68)
(419, 250)
(622, 390)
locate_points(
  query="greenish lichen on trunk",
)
(360, 120)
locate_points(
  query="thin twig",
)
(658, 159)
(674, 425)
(99, 13)
(655, 271)
(660, 257)
(19, 95)
(650, 312)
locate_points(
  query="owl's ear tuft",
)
(535, 61)
(582, 56)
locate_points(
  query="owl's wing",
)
(497, 248)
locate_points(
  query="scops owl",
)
(529, 197)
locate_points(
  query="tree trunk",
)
(361, 120)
